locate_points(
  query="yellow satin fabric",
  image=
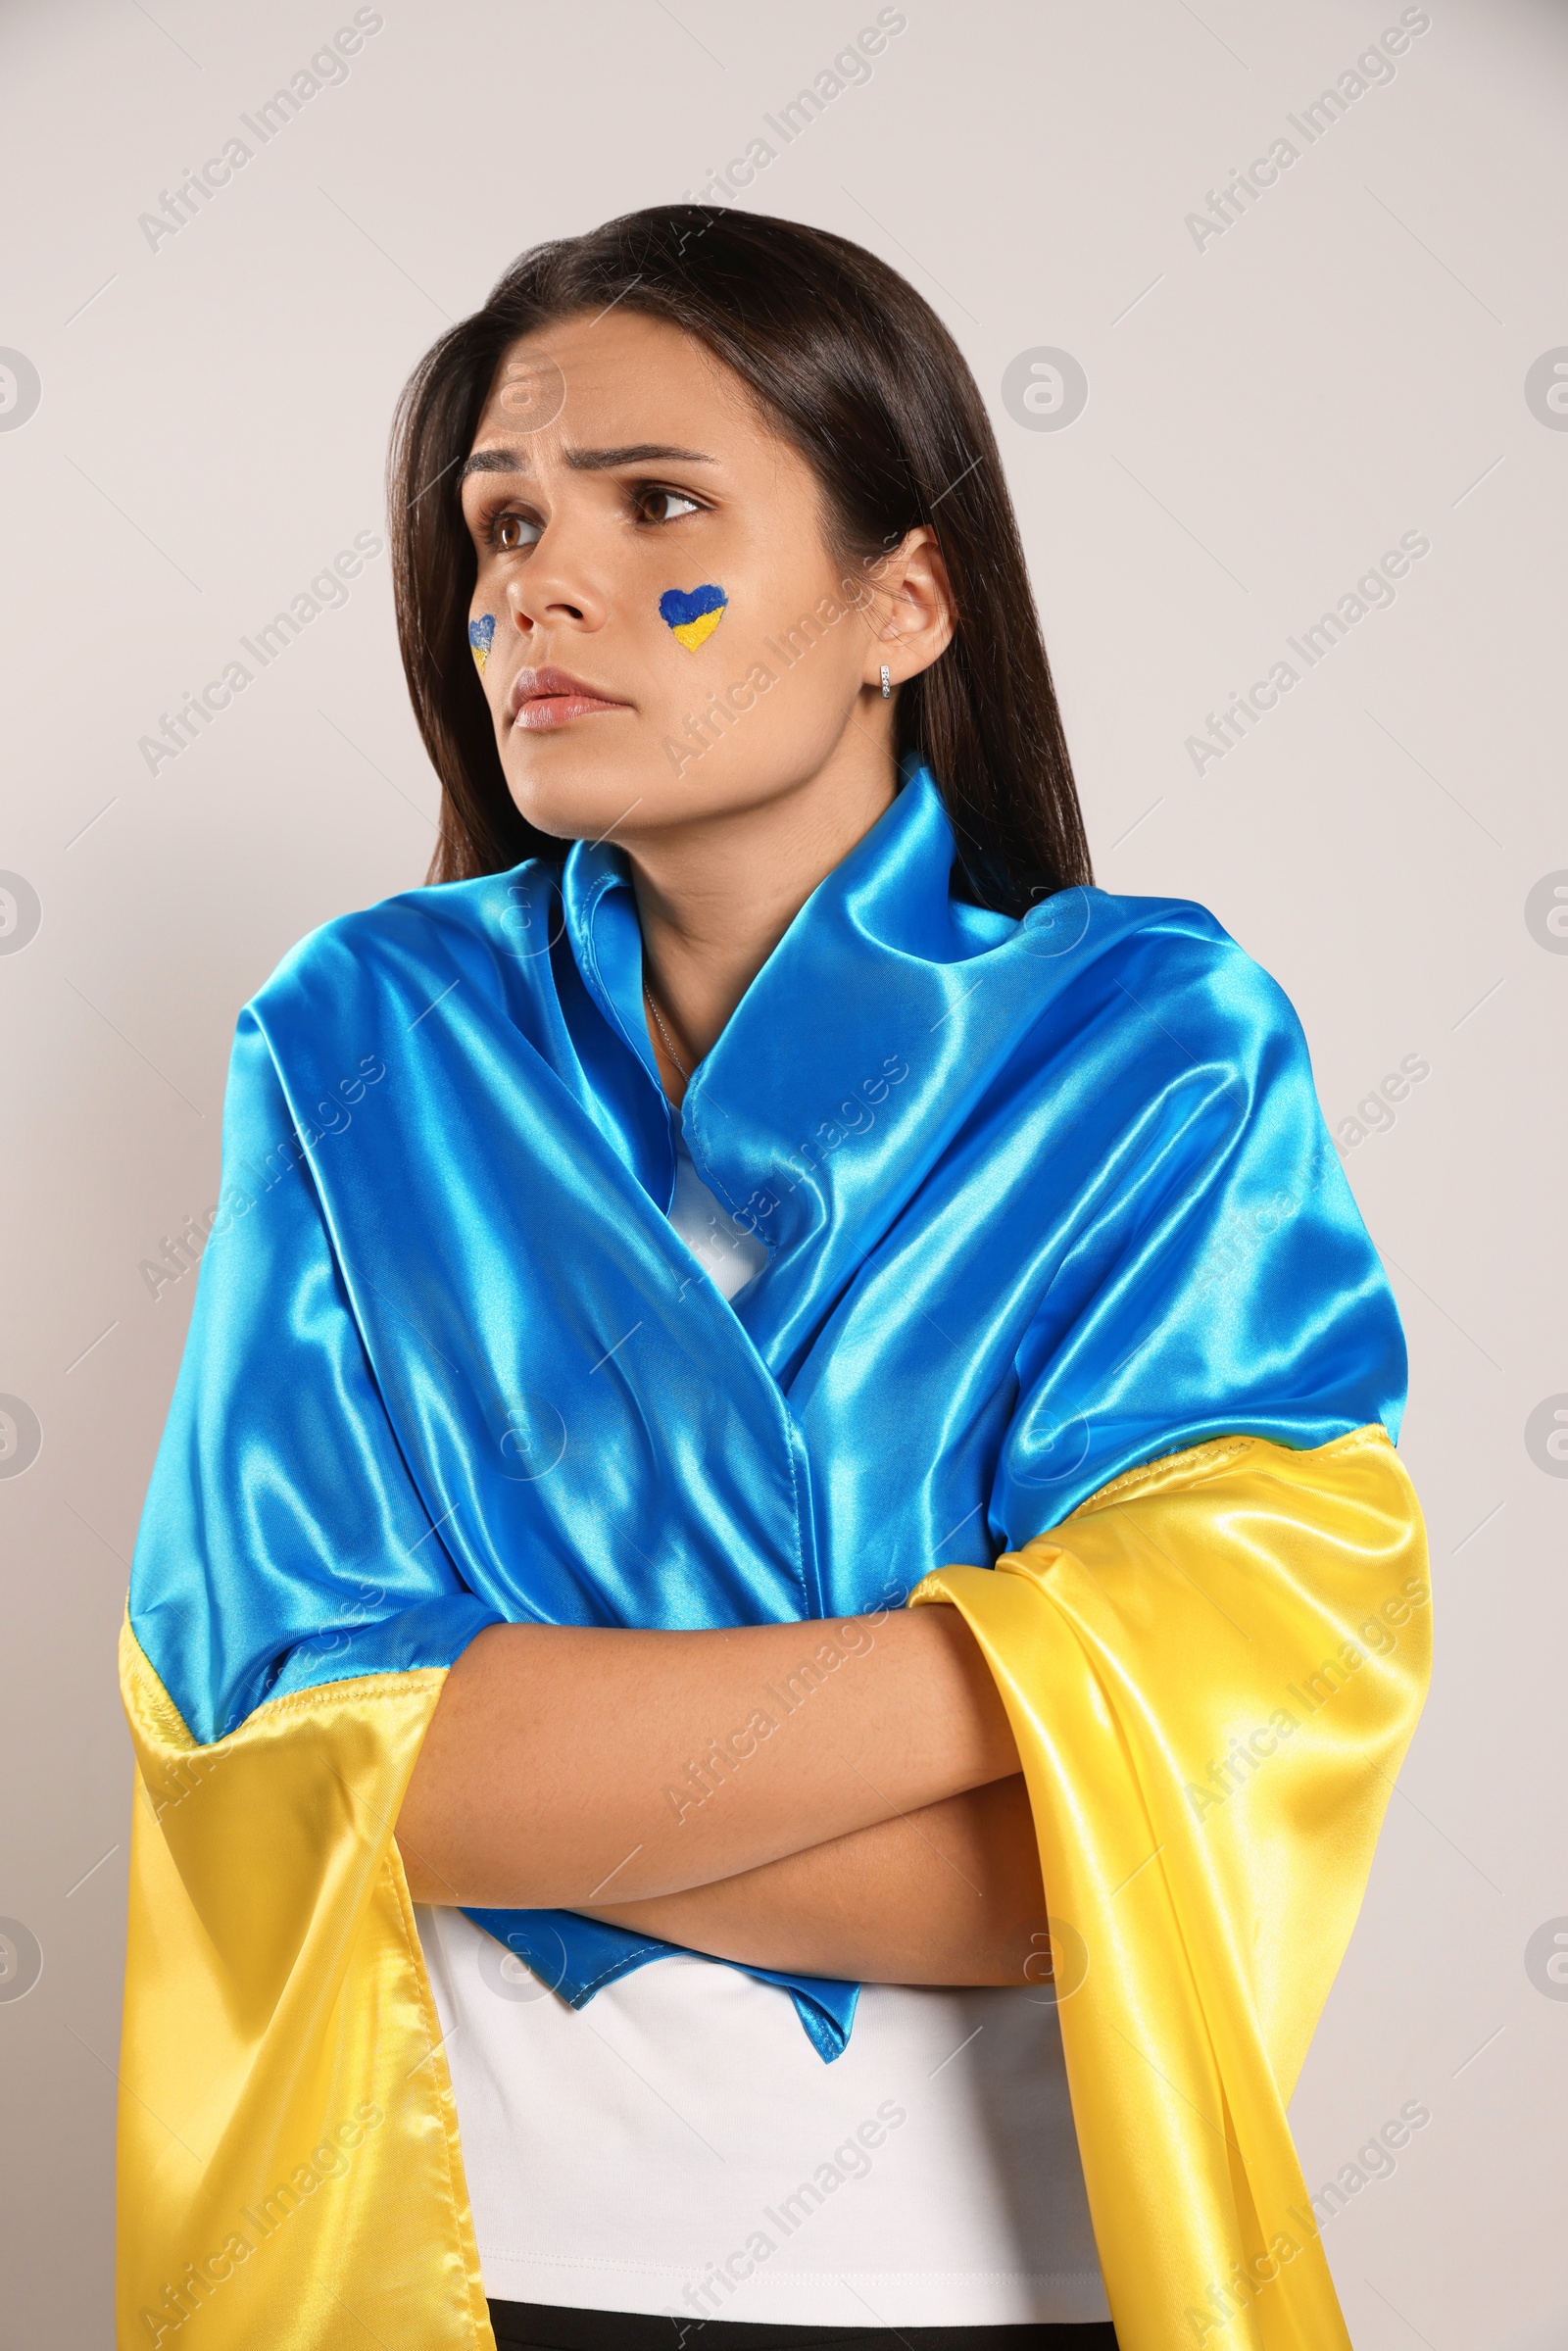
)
(290, 2165)
(289, 2170)
(1164, 1628)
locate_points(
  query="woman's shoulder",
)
(1158, 967)
(447, 933)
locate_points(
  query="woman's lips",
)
(545, 698)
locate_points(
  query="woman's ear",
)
(910, 615)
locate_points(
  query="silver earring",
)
(887, 683)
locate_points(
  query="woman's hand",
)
(950, 1894)
(565, 1764)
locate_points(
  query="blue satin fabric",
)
(1041, 1200)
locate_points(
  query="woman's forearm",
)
(951, 1894)
(564, 1765)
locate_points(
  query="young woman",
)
(757, 1172)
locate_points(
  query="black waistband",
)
(542, 2326)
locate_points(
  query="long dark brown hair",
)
(864, 380)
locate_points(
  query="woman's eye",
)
(665, 506)
(513, 531)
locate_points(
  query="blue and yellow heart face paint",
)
(692, 614)
(481, 636)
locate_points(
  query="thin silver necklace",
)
(669, 1041)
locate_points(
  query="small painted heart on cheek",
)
(481, 636)
(693, 614)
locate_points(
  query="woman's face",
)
(661, 632)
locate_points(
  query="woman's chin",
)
(574, 797)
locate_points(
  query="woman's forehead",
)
(617, 381)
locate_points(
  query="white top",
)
(678, 2146)
(723, 1248)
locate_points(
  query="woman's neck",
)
(715, 897)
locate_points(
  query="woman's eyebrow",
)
(496, 461)
(587, 461)
(634, 452)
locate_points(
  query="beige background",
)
(1265, 416)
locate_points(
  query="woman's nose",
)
(559, 589)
